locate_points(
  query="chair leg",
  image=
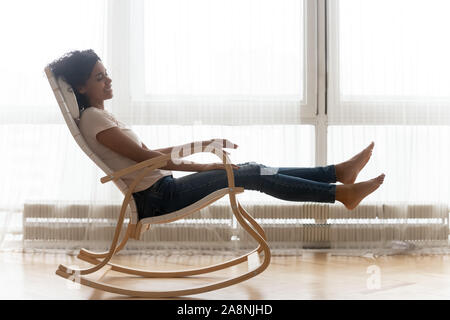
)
(252, 221)
(159, 294)
(241, 215)
(131, 227)
(191, 272)
(87, 253)
(174, 274)
(112, 250)
(244, 219)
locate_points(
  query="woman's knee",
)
(249, 168)
(249, 175)
(258, 169)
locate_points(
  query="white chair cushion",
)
(69, 97)
(72, 105)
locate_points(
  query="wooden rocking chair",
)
(69, 108)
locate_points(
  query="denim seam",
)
(311, 188)
(210, 183)
(197, 187)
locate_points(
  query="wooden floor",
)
(310, 276)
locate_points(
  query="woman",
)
(158, 192)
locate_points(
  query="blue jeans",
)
(287, 183)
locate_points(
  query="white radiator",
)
(287, 226)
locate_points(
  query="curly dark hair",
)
(75, 68)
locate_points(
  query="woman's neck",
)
(98, 105)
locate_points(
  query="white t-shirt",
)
(94, 120)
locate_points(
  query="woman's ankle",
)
(337, 171)
(341, 193)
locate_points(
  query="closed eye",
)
(101, 75)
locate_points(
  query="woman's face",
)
(98, 86)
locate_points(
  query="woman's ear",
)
(81, 89)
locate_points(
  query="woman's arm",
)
(192, 146)
(169, 149)
(116, 140)
(225, 144)
(163, 150)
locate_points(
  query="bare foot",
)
(346, 172)
(352, 195)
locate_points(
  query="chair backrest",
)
(69, 107)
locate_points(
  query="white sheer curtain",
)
(240, 63)
(243, 70)
(40, 160)
(388, 83)
(218, 62)
(228, 69)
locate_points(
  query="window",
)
(389, 61)
(233, 48)
(46, 30)
(226, 62)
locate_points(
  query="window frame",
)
(380, 110)
(121, 37)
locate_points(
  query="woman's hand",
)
(217, 166)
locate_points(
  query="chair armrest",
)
(161, 161)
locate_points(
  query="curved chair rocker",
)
(69, 108)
